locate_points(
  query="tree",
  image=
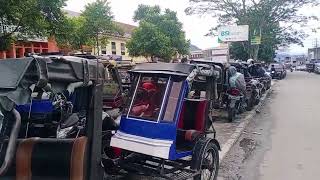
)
(21, 19)
(166, 26)
(277, 20)
(71, 33)
(149, 41)
(98, 24)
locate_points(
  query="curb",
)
(240, 128)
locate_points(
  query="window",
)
(172, 101)
(148, 97)
(113, 48)
(123, 49)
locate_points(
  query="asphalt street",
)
(282, 141)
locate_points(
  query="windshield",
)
(148, 97)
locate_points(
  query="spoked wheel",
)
(207, 161)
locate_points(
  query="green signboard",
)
(256, 40)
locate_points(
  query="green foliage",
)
(276, 19)
(98, 24)
(28, 18)
(92, 28)
(165, 26)
(149, 41)
(71, 34)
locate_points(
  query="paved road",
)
(282, 142)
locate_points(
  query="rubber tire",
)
(269, 85)
(231, 114)
(198, 163)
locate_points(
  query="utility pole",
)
(316, 50)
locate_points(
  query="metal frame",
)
(156, 167)
(95, 170)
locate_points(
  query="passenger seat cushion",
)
(201, 116)
(63, 159)
(181, 117)
(23, 159)
(78, 159)
(192, 135)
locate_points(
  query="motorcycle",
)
(73, 126)
(236, 103)
(273, 74)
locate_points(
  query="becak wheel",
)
(205, 159)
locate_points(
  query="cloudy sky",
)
(195, 26)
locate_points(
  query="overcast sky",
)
(194, 26)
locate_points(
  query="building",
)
(116, 48)
(314, 54)
(196, 54)
(220, 54)
(20, 48)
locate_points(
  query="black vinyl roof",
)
(13, 70)
(164, 68)
(60, 68)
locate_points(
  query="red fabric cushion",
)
(181, 118)
(201, 115)
(148, 86)
(191, 135)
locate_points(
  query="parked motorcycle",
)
(73, 126)
(236, 103)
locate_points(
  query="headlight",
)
(62, 133)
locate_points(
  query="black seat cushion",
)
(49, 159)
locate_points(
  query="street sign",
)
(233, 33)
(256, 40)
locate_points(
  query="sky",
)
(195, 26)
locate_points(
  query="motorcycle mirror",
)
(70, 121)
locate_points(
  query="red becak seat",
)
(148, 86)
(191, 123)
